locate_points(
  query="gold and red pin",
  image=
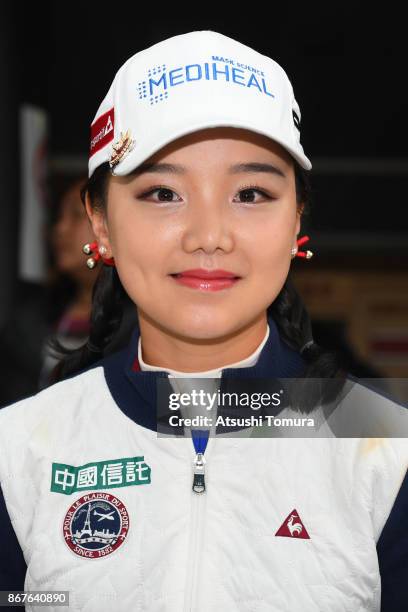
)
(121, 148)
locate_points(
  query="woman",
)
(196, 190)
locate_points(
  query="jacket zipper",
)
(198, 508)
(199, 473)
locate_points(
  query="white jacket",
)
(284, 525)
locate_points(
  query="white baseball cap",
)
(186, 83)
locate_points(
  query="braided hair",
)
(287, 310)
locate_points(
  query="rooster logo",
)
(293, 527)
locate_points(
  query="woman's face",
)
(221, 198)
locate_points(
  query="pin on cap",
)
(186, 83)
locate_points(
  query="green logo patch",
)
(124, 472)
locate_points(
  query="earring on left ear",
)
(295, 252)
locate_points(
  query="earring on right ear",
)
(296, 253)
(97, 253)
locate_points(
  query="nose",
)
(208, 226)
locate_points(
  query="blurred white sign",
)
(32, 247)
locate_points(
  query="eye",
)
(164, 194)
(248, 192)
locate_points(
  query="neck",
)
(164, 349)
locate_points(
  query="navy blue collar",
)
(135, 391)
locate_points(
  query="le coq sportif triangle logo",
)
(293, 527)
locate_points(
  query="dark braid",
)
(107, 308)
(108, 295)
(291, 317)
(295, 329)
(329, 367)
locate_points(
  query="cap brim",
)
(134, 158)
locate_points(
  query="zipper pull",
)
(199, 469)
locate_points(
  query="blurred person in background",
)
(71, 282)
(58, 309)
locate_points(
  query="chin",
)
(204, 326)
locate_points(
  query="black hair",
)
(287, 310)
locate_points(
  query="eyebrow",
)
(256, 167)
(251, 167)
(159, 168)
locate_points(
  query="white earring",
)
(293, 252)
(102, 250)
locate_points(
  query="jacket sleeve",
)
(392, 550)
(12, 563)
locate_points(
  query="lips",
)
(206, 280)
(203, 274)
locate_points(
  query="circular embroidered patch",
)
(96, 525)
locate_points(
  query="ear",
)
(99, 225)
(299, 213)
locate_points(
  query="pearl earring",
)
(295, 252)
(89, 248)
